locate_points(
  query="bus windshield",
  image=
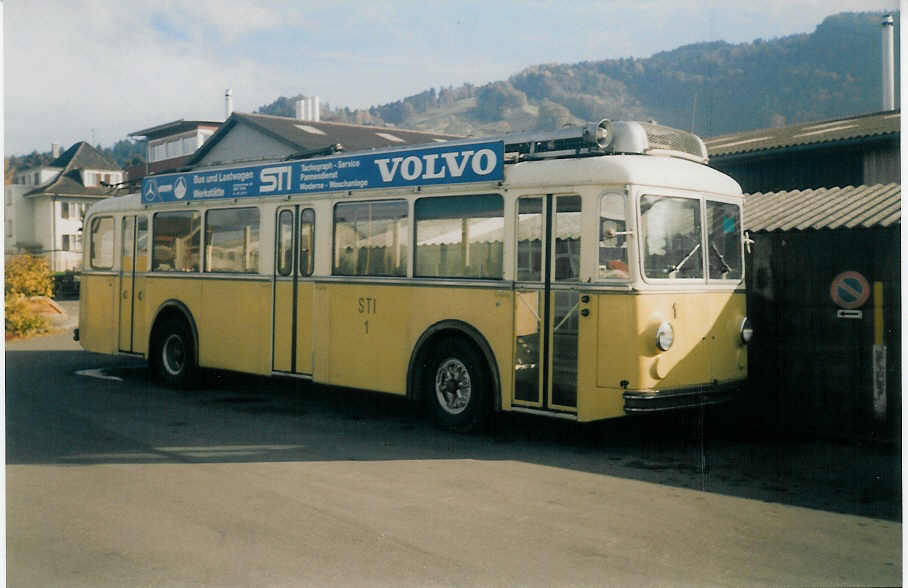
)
(673, 238)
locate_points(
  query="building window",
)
(64, 210)
(232, 240)
(189, 145)
(370, 238)
(158, 151)
(176, 241)
(72, 242)
(460, 236)
(102, 237)
(9, 229)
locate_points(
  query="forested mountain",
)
(711, 88)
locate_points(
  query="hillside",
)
(711, 88)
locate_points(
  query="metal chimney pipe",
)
(888, 27)
(316, 115)
(228, 103)
(298, 108)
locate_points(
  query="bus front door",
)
(546, 302)
(293, 290)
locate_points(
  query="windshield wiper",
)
(678, 266)
(725, 267)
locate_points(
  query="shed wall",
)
(812, 372)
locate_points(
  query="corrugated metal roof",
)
(850, 207)
(842, 129)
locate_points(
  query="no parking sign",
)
(849, 290)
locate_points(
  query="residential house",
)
(45, 205)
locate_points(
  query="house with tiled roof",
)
(260, 137)
(45, 205)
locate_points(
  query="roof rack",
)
(605, 138)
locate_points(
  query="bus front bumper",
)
(644, 401)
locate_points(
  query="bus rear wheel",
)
(173, 354)
(456, 385)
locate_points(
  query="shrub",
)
(26, 275)
(20, 320)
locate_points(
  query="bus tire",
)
(457, 385)
(173, 354)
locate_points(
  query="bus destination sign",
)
(448, 164)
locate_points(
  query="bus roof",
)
(607, 170)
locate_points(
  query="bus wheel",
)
(173, 354)
(457, 385)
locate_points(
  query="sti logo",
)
(275, 179)
(435, 166)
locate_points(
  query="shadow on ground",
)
(55, 416)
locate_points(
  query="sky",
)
(97, 70)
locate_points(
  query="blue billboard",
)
(423, 166)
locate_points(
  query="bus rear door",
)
(293, 290)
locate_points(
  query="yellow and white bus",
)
(585, 274)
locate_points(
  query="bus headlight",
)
(665, 336)
(747, 331)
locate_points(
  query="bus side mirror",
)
(747, 240)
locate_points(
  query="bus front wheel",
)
(457, 385)
(173, 354)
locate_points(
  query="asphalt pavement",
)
(113, 480)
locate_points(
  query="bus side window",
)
(566, 230)
(529, 239)
(285, 243)
(370, 238)
(459, 236)
(176, 241)
(307, 242)
(232, 240)
(142, 244)
(612, 247)
(102, 238)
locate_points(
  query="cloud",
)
(77, 71)
(74, 70)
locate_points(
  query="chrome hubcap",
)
(453, 386)
(174, 354)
